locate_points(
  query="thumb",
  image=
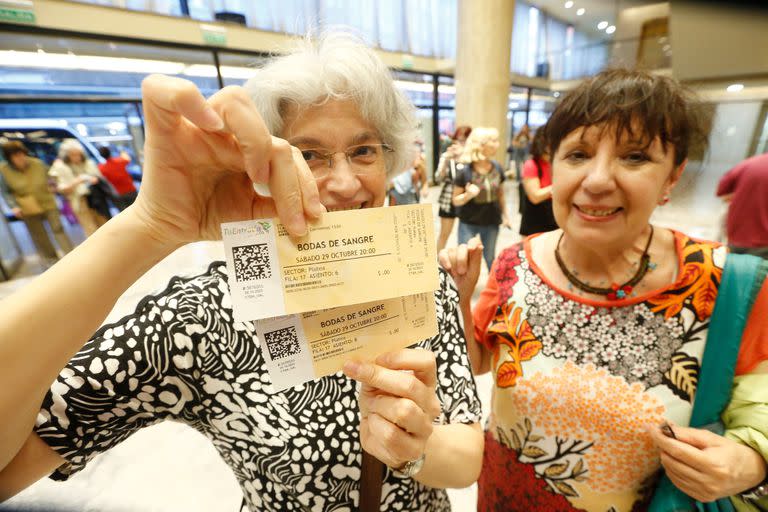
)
(697, 437)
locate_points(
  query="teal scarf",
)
(742, 278)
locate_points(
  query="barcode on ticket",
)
(282, 343)
(251, 262)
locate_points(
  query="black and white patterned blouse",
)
(181, 357)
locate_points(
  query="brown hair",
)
(462, 133)
(13, 147)
(539, 145)
(628, 101)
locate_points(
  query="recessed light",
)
(581, 12)
(734, 87)
(568, 4)
(602, 25)
(610, 30)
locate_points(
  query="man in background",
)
(745, 187)
(116, 172)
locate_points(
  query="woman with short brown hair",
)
(595, 333)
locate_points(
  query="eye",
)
(364, 153)
(576, 156)
(313, 157)
(636, 158)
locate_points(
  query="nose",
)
(600, 178)
(341, 179)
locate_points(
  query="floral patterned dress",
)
(577, 382)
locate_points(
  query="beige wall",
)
(712, 40)
(629, 25)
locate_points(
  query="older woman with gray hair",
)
(339, 129)
(74, 174)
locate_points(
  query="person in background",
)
(410, 185)
(114, 169)
(478, 191)
(25, 189)
(745, 188)
(595, 333)
(536, 195)
(446, 173)
(74, 175)
(518, 149)
(340, 127)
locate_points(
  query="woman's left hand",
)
(706, 466)
(398, 404)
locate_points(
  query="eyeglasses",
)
(361, 159)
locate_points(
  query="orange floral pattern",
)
(596, 375)
(589, 404)
(699, 280)
(514, 333)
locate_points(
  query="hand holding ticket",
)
(298, 348)
(348, 257)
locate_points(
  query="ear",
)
(674, 177)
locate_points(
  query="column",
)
(482, 65)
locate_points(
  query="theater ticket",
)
(298, 348)
(347, 258)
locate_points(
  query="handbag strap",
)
(371, 479)
(734, 301)
(741, 280)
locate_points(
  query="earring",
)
(664, 200)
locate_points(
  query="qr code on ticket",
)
(282, 343)
(251, 262)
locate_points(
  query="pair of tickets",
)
(359, 284)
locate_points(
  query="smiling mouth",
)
(598, 212)
(344, 208)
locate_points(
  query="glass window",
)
(446, 91)
(416, 86)
(38, 65)
(43, 125)
(542, 104)
(237, 68)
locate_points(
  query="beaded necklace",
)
(616, 291)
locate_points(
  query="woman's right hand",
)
(472, 190)
(463, 263)
(202, 158)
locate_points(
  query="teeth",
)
(599, 213)
(344, 208)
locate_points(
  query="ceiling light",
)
(581, 12)
(88, 62)
(568, 4)
(556, 94)
(602, 25)
(734, 87)
(610, 30)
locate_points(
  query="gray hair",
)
(68, 145)
(337, 66)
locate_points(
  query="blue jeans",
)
(487, 234)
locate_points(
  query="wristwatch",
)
(412, 467)
(757, 492)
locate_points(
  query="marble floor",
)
(170, 467)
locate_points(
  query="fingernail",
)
(213, 121)
(317, 209)
(299, 225)
(351, 368)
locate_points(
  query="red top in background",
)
(531, 171)
(114, 170)
(747, 224)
